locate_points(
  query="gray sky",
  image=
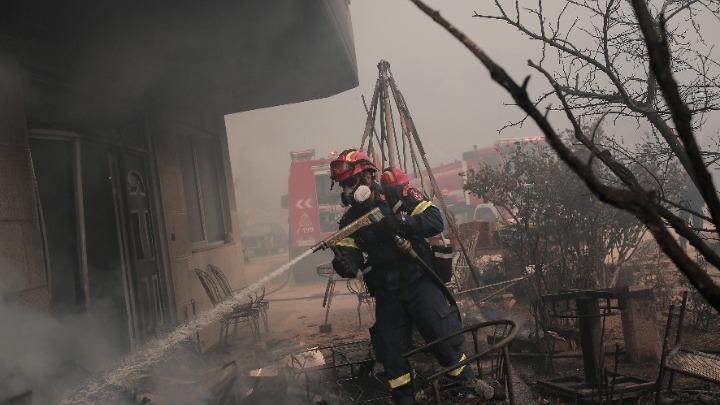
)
(453, 101)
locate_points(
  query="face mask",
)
(362, 193)
(355, 196)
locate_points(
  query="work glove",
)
(343, 266)
(394, 224)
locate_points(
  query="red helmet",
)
(350, 163)
(394, 176)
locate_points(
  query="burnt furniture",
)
(358, 287)
(491, 359)
(326, 270)
(242, 313)
(258, 301)
(680, 359)
(342, 371)
(589, 308)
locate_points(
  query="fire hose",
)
(402, 244)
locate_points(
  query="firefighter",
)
(405, 295)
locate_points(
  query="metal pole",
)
(405, 114)
(370, 120)
(371, 149)
(590, 339)
(663, 356)
(387, 113)
(509, 371)
(678, 336)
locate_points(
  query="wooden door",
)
(141, 239)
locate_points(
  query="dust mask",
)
(362, 193)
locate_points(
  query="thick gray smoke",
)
(49, 355)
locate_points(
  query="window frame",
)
(218, 165)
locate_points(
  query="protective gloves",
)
(394, 224)
(343, 266)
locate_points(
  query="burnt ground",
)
(708, 340)
(295, 321)
(295, 315)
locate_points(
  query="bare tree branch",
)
(641, 203)
(660, 62)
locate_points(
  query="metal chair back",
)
(500, 334)
(222, 281)
(213, 290)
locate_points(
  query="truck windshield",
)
(322, 188)
(329, 208)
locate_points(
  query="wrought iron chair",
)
(245, 313)
(359, 288)
(342, 371)
(680, 359)
(258, 300)
(491, 359)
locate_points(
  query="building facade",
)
(114, 165)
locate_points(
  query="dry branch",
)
(644, 204)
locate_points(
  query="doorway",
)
(54, 164)
(101, 235)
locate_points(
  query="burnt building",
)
(114, 165)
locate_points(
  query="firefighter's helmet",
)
(394, 176)
(350, 163)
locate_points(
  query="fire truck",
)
(465, 206)
(493, 157)
(313, 209)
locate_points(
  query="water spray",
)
(152, 352)
(101, 387)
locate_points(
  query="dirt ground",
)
(296, 309)
(296, 313)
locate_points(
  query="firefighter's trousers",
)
(425, 307)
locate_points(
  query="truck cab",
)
(314, 209)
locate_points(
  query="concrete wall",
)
(22, 270)
(183, 258)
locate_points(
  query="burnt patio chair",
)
(677, 358)
(490, 358)
(342, 370)
(359, 288)
(557, 331)
(257, 299)
(242, 313)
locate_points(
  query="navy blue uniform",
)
(405, 296)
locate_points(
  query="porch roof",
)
(89, 61)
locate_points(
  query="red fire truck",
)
(465, 206)
(313, 209)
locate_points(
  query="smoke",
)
(443, 85)
(48, 355)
